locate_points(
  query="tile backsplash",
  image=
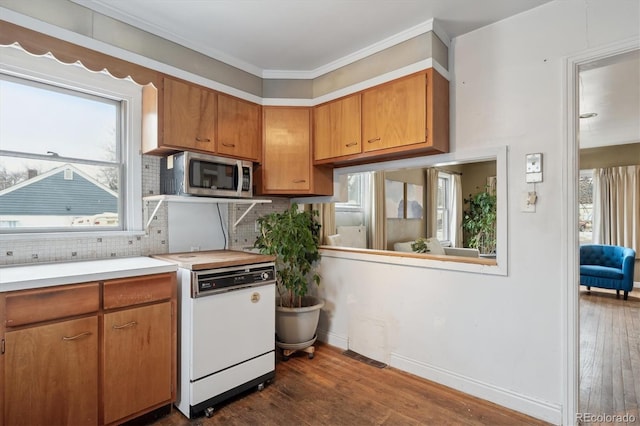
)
(24, 250)
(245, 234)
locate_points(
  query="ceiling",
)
(259, 36)
(611, 89)
(278, 38)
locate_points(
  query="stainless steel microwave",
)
(190, 173)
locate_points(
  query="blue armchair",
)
(607, 266)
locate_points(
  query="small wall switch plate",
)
(534, 168)
(534, 163)
(526, 206)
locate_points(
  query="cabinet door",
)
(137, 360)
(394, 114)
(287, 151)
(336, 128)
(51, 374)
(189, 116)
(238, 128)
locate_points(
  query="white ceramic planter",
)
(297, 326)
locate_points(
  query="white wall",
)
(496, 337)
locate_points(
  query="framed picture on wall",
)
(394, 199)
(415, 197)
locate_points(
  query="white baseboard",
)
(333, 339)
(543, 410)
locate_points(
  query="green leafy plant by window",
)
(293, 236)
(479, 221)
(420, 246)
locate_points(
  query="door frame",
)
(570, 234)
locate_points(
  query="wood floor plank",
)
(333, 389)
(609, 354)
(608, 342)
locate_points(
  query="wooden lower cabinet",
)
(137, 360)
(88, 354)
(50, 374)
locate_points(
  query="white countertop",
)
(21, 277)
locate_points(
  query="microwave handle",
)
(239, 177)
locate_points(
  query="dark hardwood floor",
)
(610, 353)
(333, 389)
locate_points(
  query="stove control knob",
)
(264, 276)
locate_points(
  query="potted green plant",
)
(293, 237)
(479, 221)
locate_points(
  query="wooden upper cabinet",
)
(287, 145)
(189, 116)
(336, 128)
(286, 167)
(238, 124)
(394, 114)
(181, 116)
(402, 118)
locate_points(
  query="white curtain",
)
(431, 179)
(455, 212)
(327, 219)
(378, 233)
(616, 206)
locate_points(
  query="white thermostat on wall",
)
(534, 168)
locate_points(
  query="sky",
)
(37, 121)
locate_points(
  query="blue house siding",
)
(56, 196)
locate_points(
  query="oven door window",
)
(203, 174)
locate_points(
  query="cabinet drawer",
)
(138, 290)
(31, 306)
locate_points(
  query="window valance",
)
(40, 44)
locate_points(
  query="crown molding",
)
(99, 7)
(398, 38)
(363, 85)
(91, 43)
(104, 9)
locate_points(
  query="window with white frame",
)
(443, 207)
(355, 210)
(69, 148)
(585, 206)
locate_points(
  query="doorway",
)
(579, 221)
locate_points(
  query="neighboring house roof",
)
(51, 194)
